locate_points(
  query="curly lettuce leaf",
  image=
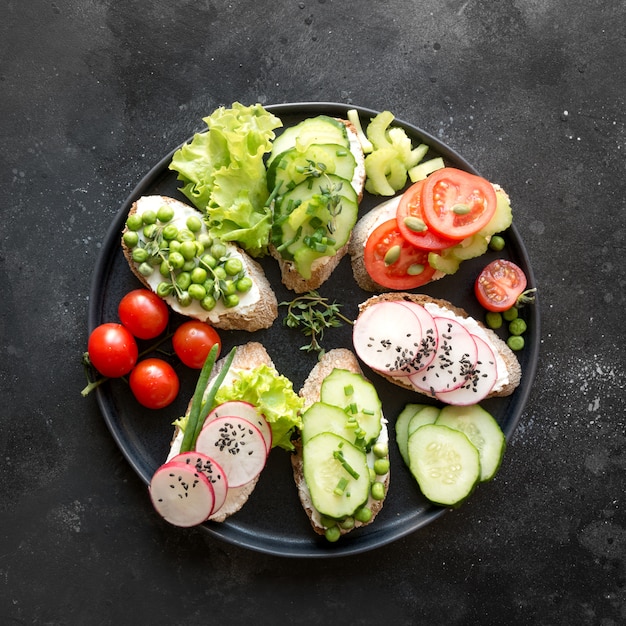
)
(224, 175)
(274, 397)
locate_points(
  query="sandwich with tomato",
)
(425, 233)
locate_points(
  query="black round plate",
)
(272, 521)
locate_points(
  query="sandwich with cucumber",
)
(316, 173)
(169, 249)
(341, 459)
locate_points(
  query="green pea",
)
(347, 523)
(140, 255)
(194, 223)
(183, 280)
(378, 491)
(229, 288)
(198, 275)
(244, 284)
(209, 283)
(170, 232)
(332, 534)
(208, 261)
(510, 314)
(497, 243)
(189, 265)
(165, 269)
(218, 250)
(493, 319)
(363, 514)
(149, 231)
(327, 521)
(184, 234)
(219, 273)
(131, 238)
(199, 249)
(174, 246)
(517, 326)
(515, 342)
(205, 240)
(176, 260)
(184, 299)
(381, 466)
(380, 450)
(134, 222)
(233, 266)
(188, 250)
(165, 213)
(164, 289)
(149, 217)
(231, 301)
(145, 269)
(208, 303)
(197, 292)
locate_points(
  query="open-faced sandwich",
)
(168, 247)
(341, 463)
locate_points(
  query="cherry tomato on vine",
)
(457, 204)
(391, 261)
(112, 350)
(412, 224)
(499, 285)
(192, 342)
(143, 313)
(154, 383)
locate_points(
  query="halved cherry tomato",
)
(192, 342)
(392, 261)
(143, 313)
(112, 350)
(457, 204)
(499, 285)
(411, 221)
(154, 383)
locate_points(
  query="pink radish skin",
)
(386, 337)
(480, 382)
(247, 411)
(430, 336)
(211, 469)
(181, 494)
(236, 445)
(456, 353)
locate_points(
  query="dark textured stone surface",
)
(93, 93)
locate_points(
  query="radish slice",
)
(181, 494)
(236, 445)
(212, 470)
(387, 337)
(479, 381)
(247, 411)
(430, 336)
(456, 354)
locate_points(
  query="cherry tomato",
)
(143, 313)
(499, 285)
(112, 350)
(392, 261)
(457, 204)
(192, 342)
(410, 217)
(154, 383)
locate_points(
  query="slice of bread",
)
(340, 358)
(257, 309)
(511, 363)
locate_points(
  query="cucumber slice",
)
(445, 464)
(294, 165)
(321, 418)
(315, 130)
(402, 428)
(482, 430)
(427, 415)
(357, 397)
(336, 474)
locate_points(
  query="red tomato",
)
(154, 383)
(393, 262)
(499, 285)
(143, 313)
(193, 341)
(457, 204)
(410, 210)
(112, 350)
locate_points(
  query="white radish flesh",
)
(480, 380)
(236, 445)
(181, 494)
(456, 354)
(387, 337)
(212, 470)
(247, 411)
(430, 336)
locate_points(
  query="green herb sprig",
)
(313, 314)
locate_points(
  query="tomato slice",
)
(411, 218)
(457, 204)
(392, 261)
(499, 285)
